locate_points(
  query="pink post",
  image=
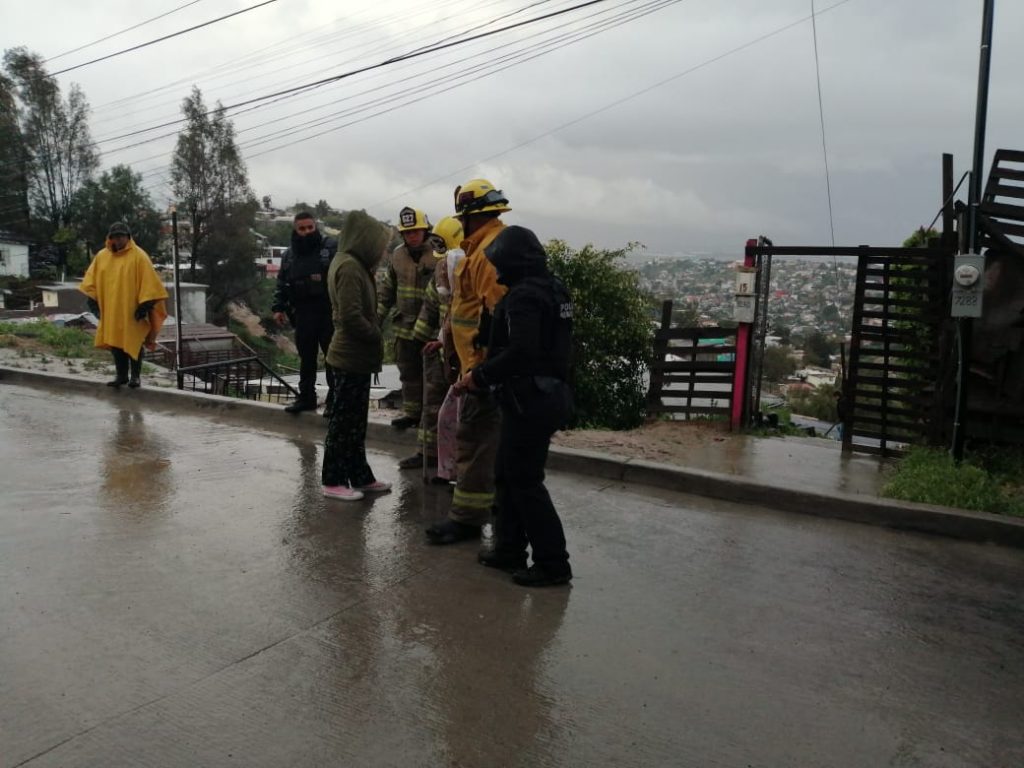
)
(739, 375)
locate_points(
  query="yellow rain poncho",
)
(119, 282)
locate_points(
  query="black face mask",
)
(306, 243)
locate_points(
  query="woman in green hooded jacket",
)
(356, 352)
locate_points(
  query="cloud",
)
(727, 151)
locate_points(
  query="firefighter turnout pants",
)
(409, 358)
(435, 387)
(475, 453)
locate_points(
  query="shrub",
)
(612, 335)
(930, 476)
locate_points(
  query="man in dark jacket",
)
(301, 298)
(528, 363)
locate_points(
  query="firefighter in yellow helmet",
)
(401, 290)
(475, 294)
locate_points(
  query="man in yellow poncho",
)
(126, 294)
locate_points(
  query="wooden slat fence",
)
(692, 370)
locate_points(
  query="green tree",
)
(56, 138)
(920, 238)
(321, 209)
(14, 163)
(778, 364)
(118, 195)
(612, 334)
(210, 182)
(228, 258)
(817, 350)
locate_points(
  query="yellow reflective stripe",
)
(473, 500)
(406, 292)
(412, 409)
(423, 331)
(426, 435)
(404, 333)
(466, 322)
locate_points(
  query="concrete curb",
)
(925, 518)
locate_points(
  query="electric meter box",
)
(743, 309)
(968, 284)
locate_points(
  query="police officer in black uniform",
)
(528, 363)
(301, 297)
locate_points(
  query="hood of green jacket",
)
(364, 238)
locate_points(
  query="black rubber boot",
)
(539, 576)
(121, 366)
(136, 369)
(411, 462)
(502, 559)
(452, 532)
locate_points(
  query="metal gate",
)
(896, 388)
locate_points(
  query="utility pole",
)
(965, 324)
(177, 300)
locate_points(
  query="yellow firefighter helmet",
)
(410, 219)
(479, 196)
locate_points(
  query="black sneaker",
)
(134, 382)
(404, 422)
(299, 406)
(502, 559)
(117, 382)
(537, 576)
(451, 532)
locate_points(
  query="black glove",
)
(142, 311)
(94, 307)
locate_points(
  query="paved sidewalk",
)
(177, 593)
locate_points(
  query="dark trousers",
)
(345, 445)
(313, 330)
(525, 514)
(123, 363)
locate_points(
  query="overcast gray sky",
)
(731, 148)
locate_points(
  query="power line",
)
(261, 58)
(368, 68)
(161, 39)
(492, 66)
(491, 62)
(611, 105)
(821, 115)
(96, 144)
(120, 32)
(334, 39)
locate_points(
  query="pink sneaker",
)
(375, 487)
(342, 493)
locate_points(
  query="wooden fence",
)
(692, 370)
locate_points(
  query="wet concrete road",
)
(177, 593)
